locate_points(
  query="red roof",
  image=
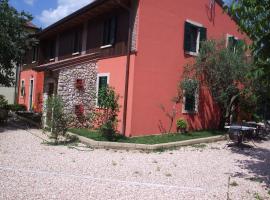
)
(29, 24)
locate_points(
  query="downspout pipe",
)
(129, 44)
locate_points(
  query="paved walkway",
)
(32, 170)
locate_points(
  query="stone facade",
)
(135, 26)
(73, 96)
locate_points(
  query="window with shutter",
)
(35, 54)
(191, 102)
(22, 90)
(234, 44)
(102, 82)
(194, 34)
(240, 46)
(203, 35)
(109, 31)
(52, 49)
(76, 44)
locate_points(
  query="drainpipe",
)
(127, 67)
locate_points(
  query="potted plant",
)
(181, 125)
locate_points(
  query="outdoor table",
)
(240, 132)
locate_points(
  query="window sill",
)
(191, 53)
(190, 112)
(76, 53)
(106, 46)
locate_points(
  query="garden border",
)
(134, 146)
(149, 147)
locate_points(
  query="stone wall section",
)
(73, 96)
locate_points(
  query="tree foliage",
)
(223, 71)
(253, 18)
(14, 40)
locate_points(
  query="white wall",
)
(9, 93)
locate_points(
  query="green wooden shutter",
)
(105, 32)
(187, 39)
(113, 25)
(203, 35)
(190, 102)
(231, 42)
(102, 82)
(240, 45)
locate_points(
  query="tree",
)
(223, 71)
(14, 40)
(57, 119)
(253, 18)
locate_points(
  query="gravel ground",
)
(30, 169)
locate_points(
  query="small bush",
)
(108, 131)
(16, 107)
(181, 125)
(108, 102)
(57, 118)
(234, 184)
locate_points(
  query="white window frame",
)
(198, 38)
(196, 110)
(22, 81)
(32, 79)
(97, 84)
(194, 23)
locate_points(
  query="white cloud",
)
(29, 2)
(64, 8)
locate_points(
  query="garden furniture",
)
(240, 132)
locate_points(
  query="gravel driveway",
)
(32, 170)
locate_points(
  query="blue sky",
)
(46, 12)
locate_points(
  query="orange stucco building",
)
(140, 48)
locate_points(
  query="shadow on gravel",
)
(14, 124)
(2, 128)
(259, 165)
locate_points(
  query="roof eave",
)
(72, 15)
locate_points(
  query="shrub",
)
(181, 125)
(57, 120)
(108, 102)
(3, 101)
(108, 130)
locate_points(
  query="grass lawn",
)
(155, 139)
